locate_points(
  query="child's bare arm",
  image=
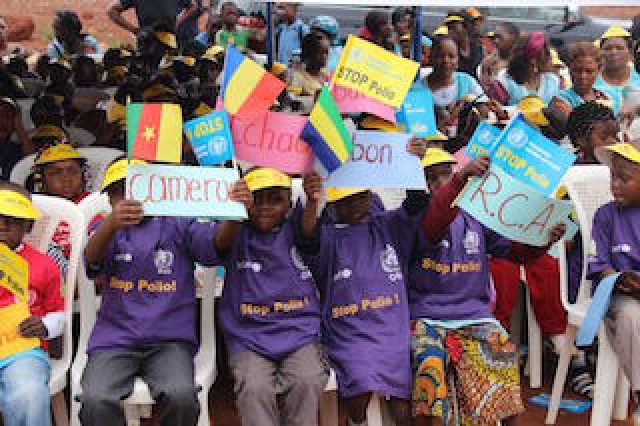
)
(312, 185)
(227, 232)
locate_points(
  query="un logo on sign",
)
(218, 145)
(356, 55)
(517, 138)
(485, 137)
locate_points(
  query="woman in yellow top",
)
(308, 79)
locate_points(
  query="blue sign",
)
(483, 140)
(525, 154)
(184, 191)
(379, 160)
(210, 137)
(514, 209)
(416, 114)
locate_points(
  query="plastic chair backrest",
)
(207, 351)
(98, 159)
(55, 210)
(589, 188)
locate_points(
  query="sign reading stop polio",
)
(210, 137)
(514, 209)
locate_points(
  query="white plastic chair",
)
(98, 159)
(139, 403)
(54, 210)
(589, 188)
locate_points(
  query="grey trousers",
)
(166, 367)
(280, 393)
(623, 326)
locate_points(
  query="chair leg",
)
(204, 419)
(329, 409)
(606, 378)
(75, 411)
(535, 347)
(59, 407)
(132, 414)
(561, 374)
(621, 400)
(145, 410)
(374, 411)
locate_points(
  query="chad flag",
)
(154, 132)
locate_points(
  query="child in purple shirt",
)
(616, 232)
(455, 338)
(269, 311)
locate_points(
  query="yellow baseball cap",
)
(439, 136)
(625, 150)
(278, 69)
(474, 13)
(157, 89)
(14, 204)
(187, 60)
(376, 123)
(555, 58)
(435, 156)
(615, 31)
(453, 18)
(203, 109)
(442, 30)
(532, 107)
(58, 152)
(117, 171)
(48, 131)
(167, 38)
(214, 50)
(116, 113)
(336, 194)
(264, 177)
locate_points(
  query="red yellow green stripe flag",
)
(154, 132)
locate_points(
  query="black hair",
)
(399, 13)
(310, 43)
(45, 110)
(85, 72)
(582, 118)
(375, 19)
(70, 20)
(439, 41)
(519, 67)
(510, 27)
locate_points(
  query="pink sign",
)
(272, 140)
(351, 101)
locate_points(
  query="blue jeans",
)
(24, 392)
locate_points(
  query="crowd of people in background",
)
(585, 97)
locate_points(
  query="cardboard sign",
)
(374, 71)
(352, 101)
(417, 114)
(525, 154)
(184, 191)
(379, 160)
(483, 140)
(512, 208)
(11, 342)
(210, 137)
(272, 140)
(14, 273)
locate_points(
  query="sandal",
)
(581, 381)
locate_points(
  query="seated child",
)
(459, 349)
(24, 376)
(359, 263)
(11, 150)
(269, 312)
(615, 232)
(146, 323)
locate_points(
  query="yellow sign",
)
(11, 342)
(375, 72)
(14, 273)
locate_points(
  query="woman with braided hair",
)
(590, 126)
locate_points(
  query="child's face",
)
(437, 175)
(615, 52)
(63, 179)
(602, 133)
(625, 181)
(270, 207)
(115, 191)
(445, 60)
(229, 16)
(320, 57)
(13, 230)
(7, 115)
(584, 71)
(354, 209)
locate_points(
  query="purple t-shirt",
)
(361, 271)
(269, 304)
(149, 295)
(450, 280)
(616, 232)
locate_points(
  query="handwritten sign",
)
(525, 154)
(210, 137)
(184, 191)
(374, 71)
(512, 208)
(417, 114)
(352, 101)
(272, 140)
(379, 160)
(14, 273)
(11, 342)
(483, 140)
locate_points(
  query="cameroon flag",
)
(154, 132)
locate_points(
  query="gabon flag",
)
(154, 132)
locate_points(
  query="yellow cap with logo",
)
(625, 150)
(264, 177)
(167, 38)
(532, 108)
(434, 156)
(117, 171)
(14, 204)
(337, 194)
(442, 30)
(615, 31)
(453, 18)
(58, 152)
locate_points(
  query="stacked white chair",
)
(54, 210)
(589, 188)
